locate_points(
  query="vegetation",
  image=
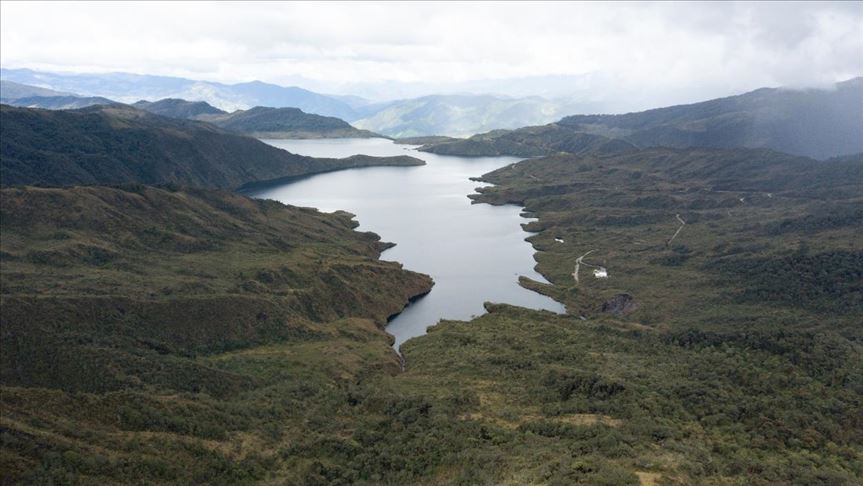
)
(424, 140)
(265, 122)
(121, 144)
(143, 330)
(259, 122)
(177, 108)
(815, 123)
(160, 335)
(528, 142)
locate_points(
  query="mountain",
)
(120, 144)
(177, 108)
(528, 142)
(165, 295)
(818, 123)
(129, 88)
(262, 122)
(10, 90)
(59, 102)
(259, 122)
(461, 115)
(17, 94)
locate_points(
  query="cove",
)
(474, 252)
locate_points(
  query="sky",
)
(672, 50)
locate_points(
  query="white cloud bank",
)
(663, 50)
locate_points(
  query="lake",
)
(474, 252)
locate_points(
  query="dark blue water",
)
(474, 252)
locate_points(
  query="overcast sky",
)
(696, 49)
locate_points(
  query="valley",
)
(206, 278)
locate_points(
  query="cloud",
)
(644, 49)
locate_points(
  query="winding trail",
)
(578, 263)
(682, 224)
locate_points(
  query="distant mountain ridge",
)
(177, 108)
(10, 90)
(455, 115)
(129, 88)
(819, 123)
(265, 122)
(260, 121)
(120, 144)
(530, 142)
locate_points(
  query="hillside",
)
(120, 144)
(172, 303)
(177, 108)
(528, 142)
(59, 102)
(27, 96)
(258, 122)
(10, 90)
(818, 123)
(263, 122)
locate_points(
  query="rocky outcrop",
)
(620, 305)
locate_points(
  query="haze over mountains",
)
(819, 123)
(815, 122)
(453, 114)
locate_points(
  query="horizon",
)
(635, 58)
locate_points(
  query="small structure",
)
(559, 240)
(600, 272)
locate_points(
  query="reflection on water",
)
(474, 252)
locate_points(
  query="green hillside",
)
(263, 122)
(528, 142)
(177, 108)
(178, 316)
(120, 144)
(818, 123)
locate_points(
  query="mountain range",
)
(129, 88)
(452, 114)
(261, 122)
(818, 123)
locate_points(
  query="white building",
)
(600, 272)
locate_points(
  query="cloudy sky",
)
(658, 50)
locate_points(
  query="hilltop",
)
(177, 108)
(262, 122)
(258, 122)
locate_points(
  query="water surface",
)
(474, 252)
